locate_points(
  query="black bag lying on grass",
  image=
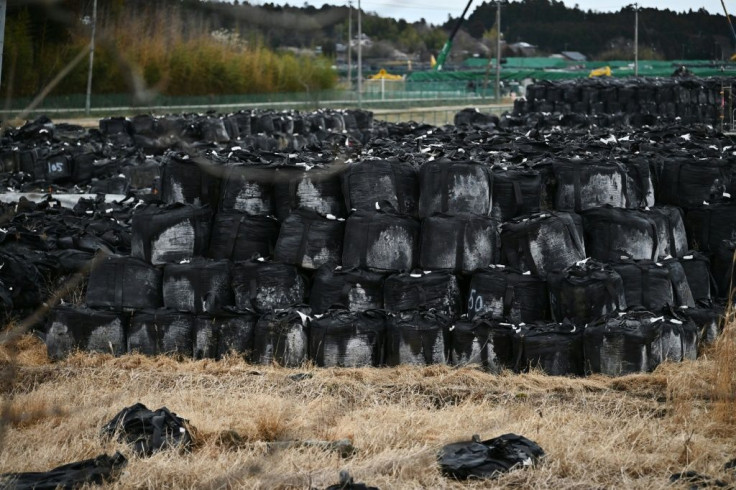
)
(281, 337)
(459, 244)
(154, 332)
(262, 286)
(122, 283)
(556, 348)
(348, 338)
(73, 328)
(417, 338)
(20, 283)
(347, 483)
(97, 471)
(353, 289)
(473, 343)
(216, 336)
(488, 459)
(148, 431)
(503, 293)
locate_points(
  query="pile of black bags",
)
(370, 244)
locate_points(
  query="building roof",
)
(574, 56)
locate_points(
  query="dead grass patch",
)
(598, 432)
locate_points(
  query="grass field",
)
(598, 432)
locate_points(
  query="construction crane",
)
(730, 24)
(448, 45)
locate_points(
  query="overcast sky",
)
(436, 11)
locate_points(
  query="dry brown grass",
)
(598, 432)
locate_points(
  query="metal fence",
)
(374, 96)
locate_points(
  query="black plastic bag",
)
(149, 431)
(97, 471)
(488, 459)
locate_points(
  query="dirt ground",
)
(598, 432)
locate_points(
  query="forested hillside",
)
(186, 47)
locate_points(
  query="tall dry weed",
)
(724, 358)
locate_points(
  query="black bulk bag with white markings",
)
(636, 341)
(216, 336)
(72, 328)
(281, 337)
(190, 180)
(654, 285)
(315, 189)
(709, 225)
(724, 268)
(502, 293)
(162, 331)
(121, 282)
(472, 343)
(199, 286)
(417, 338)
(421, 290)
(248, 189)
(671, 230)
(697, 270)
(459, 244)
(237, 236)
(586, 185)
(690, 182)
(455, 188)
(342, 338)
(706, 316)
(369, 182)
(516, 192)
(612, 234)
(310, 241)
(160, 235)
(352, 289)
(381, 242)
(213, 130)
(264, 286)
(542, 242)
(585, 292)
(555, 348)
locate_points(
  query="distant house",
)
(523, 49)
(575, 56)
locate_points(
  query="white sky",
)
(435, 11)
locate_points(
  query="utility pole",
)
(350, 45)
(498, 52)
(636, 39)
(91, 57)
(360, 60)
(3, 5)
